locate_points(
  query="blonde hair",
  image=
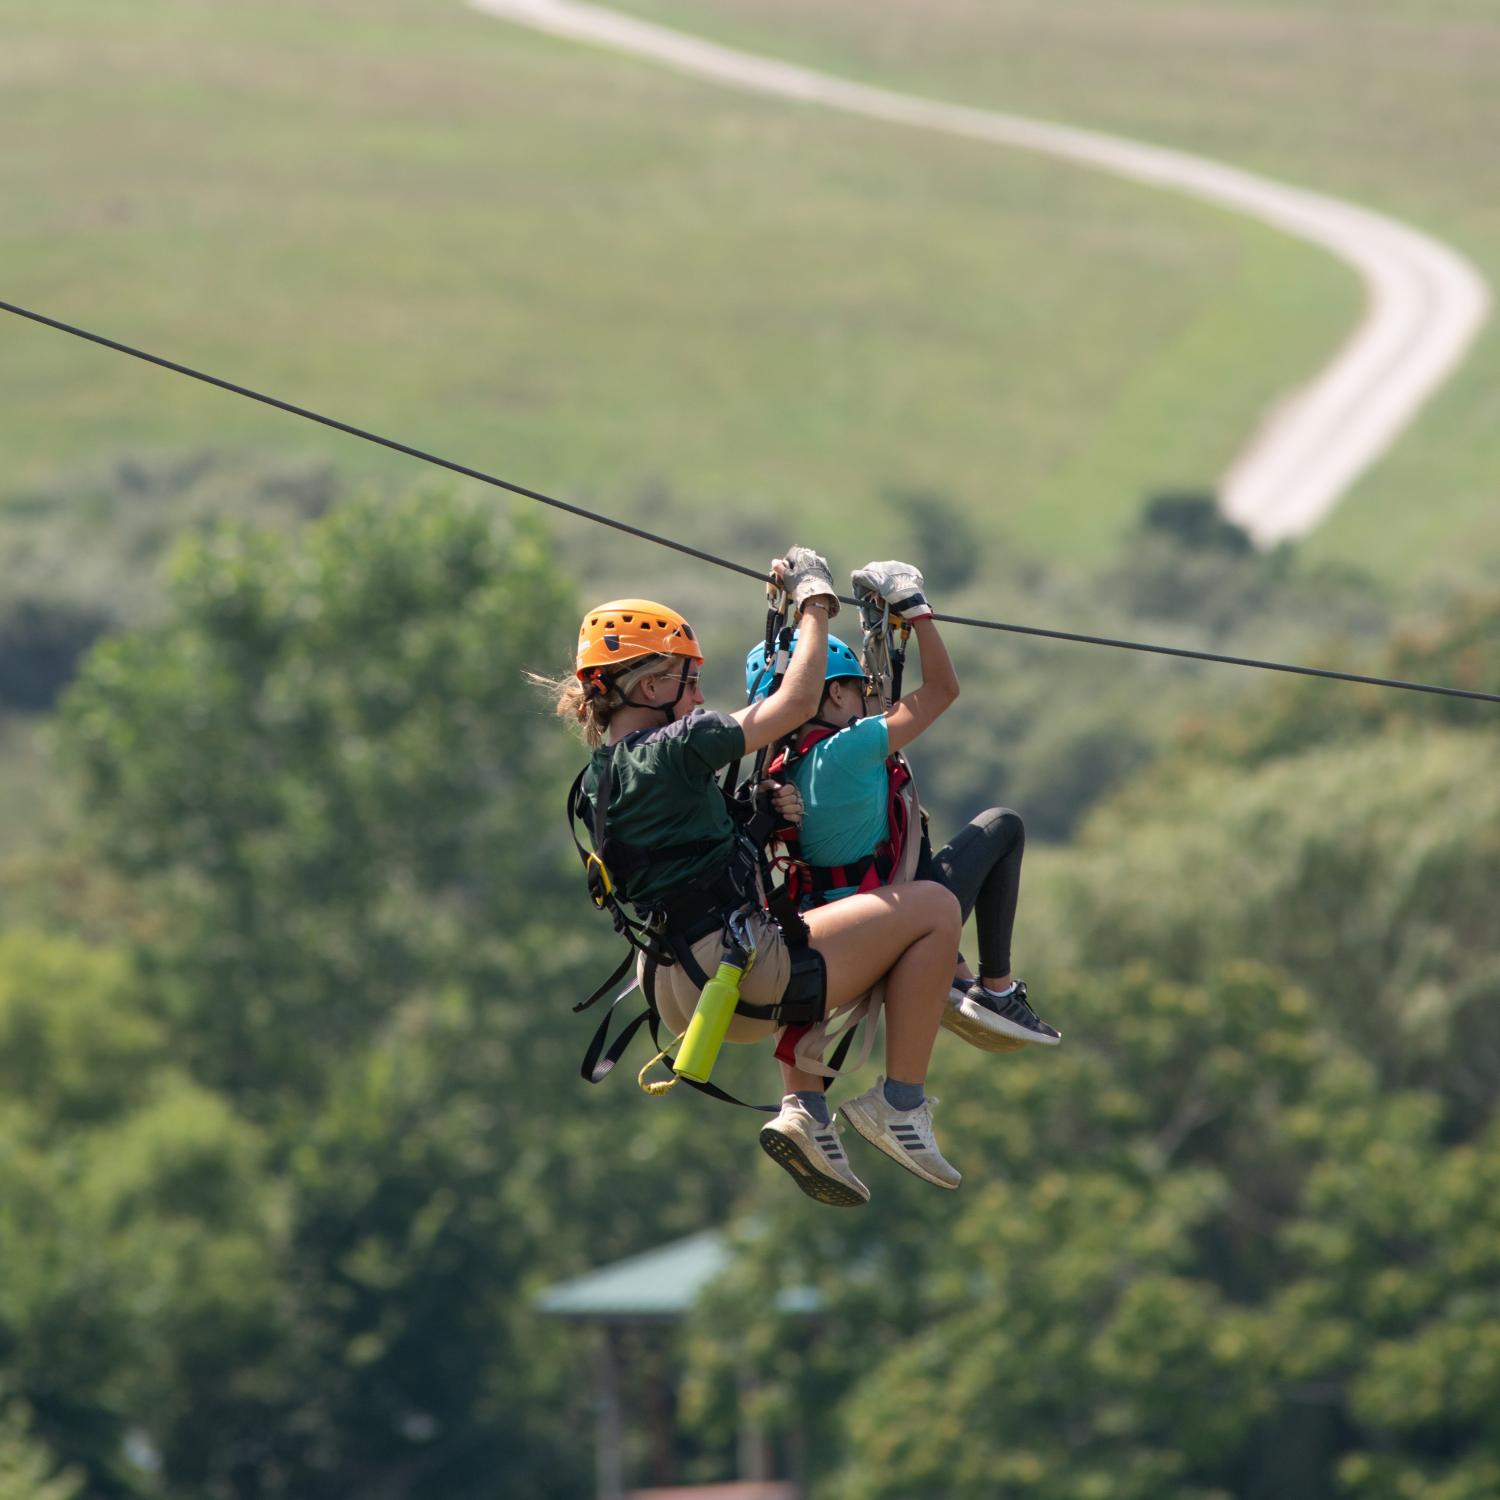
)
(591, 714)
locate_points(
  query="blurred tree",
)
(1171, 1270)
(1462, 649)
(326, 763)
(40, 644)
(93, 538)
(1235, 1238)
(27, 1470)
(1201, 1251)
(340, 807)
(1367, 869)
(1196, 523)
(945, 545)
(137, 1230)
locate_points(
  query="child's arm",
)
(900, 586)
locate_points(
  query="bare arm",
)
(801, 690)
(921, 707)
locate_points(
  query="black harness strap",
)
(669, 932)
(620, 858)
(654, 1016)
(595, 1071)
(610, 983)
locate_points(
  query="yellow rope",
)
(659, 1087)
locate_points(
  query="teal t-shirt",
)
(664, 793)
(844, 785)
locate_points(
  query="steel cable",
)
(709, 557)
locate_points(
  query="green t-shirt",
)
(664, 793)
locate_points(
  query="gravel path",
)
(1425, 302)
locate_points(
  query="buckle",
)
(739, 940)
(601, 887)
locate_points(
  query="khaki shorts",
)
(763, 984)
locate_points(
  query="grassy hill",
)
(1391, 103)
(607, 281)
(730, 318)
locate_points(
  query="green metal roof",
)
(660, 1283)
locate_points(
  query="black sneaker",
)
(996, 1023)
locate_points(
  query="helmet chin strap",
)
(823, 723)
(666, 710)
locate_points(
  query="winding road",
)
(1425, 302)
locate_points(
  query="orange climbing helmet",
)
(627, 629)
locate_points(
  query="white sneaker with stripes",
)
(905, 1135)
(814, 1156)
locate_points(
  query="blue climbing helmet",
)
(842, 662)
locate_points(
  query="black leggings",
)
(981, 865)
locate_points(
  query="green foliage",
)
(90, 541)
(279, 1187)
(1197, 522)
(943, 536)
(1202, 1250)
(1235, 1237)
(40, 643)
(1368, 869)
(1460, 649)
(137, 1225)
(338, 806)
(321, 760)
(1052, 728)
(27, 1470)
(84, 551)
(74, 1049)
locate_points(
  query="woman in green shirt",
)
(636, 695)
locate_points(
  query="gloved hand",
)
(804, 575)
(899, 584)
(785, 801)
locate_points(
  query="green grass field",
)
(1393, 103)
(605, 281)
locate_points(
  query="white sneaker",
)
(905, 1135)
(814, 1156)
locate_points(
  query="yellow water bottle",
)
(715, 1008)
(711, 1018)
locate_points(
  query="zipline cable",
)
(375, 437)
(721, 562)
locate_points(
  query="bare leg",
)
(908, 933)
(799, 1081)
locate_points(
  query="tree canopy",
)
(292, 1136)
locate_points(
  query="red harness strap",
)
(811, 883)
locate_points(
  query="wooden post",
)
(754, 1451)
(609, 1457)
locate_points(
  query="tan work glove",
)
(805, 576)
(899, 584)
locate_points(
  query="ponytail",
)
(589, 710)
